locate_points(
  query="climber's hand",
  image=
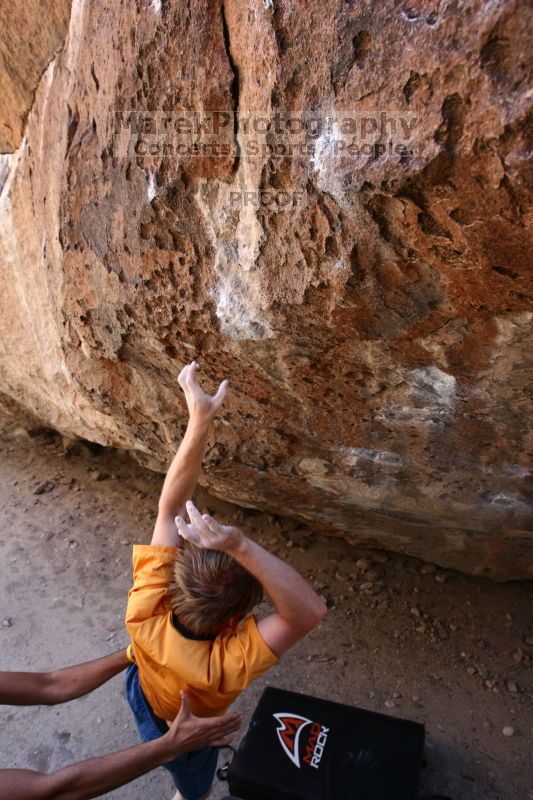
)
(202, 407)
(205, 532)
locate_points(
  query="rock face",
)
(32, 35)
(359, 270)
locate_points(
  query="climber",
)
(97, 776)
(187, 615)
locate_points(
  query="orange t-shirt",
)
(213, 672)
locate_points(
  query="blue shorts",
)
(192, 773)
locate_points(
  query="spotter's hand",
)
(189, 733)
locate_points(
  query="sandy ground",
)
(401, 637)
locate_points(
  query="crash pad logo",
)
(296, 737)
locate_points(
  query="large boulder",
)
(358, 271)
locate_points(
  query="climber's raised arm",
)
(183, 473)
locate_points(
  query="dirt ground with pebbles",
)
(401, 637)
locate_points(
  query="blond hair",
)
(210, 588)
